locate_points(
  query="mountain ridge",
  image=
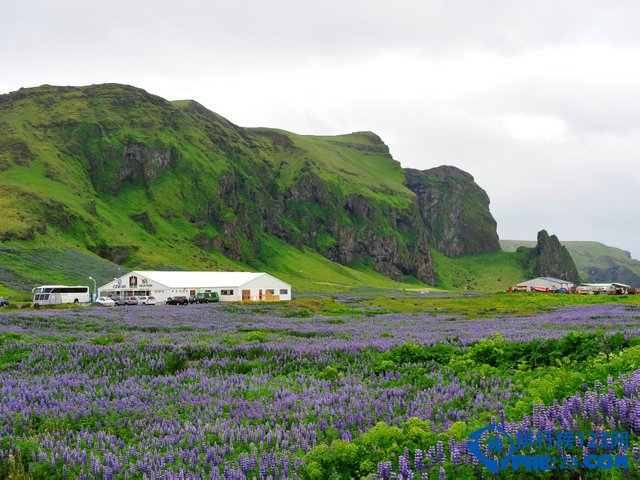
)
(145, 182)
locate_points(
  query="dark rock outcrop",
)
(113, 253)
(549, 258)
(615, 273)
(143, 163)
(455, 211)
(554, 259)
(354, 228)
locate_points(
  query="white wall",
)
(264, 283)
(124, 287)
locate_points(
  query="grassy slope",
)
(597, 254)
(22, 269)
(311, 272)
(372, 174)
(491, 272)
(56, 179)
(492, 305)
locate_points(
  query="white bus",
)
(57, 294)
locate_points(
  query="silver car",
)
(146, 300)
(105, 302)
(131, 301)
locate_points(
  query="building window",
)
(284, 291)
(271, 291)
(226, 292)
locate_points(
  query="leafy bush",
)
(257, 336)
(359, 458)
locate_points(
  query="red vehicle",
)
(539, 289)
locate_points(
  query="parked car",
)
(199, 298)
(180, 300)
(119, 300)
(146, 300)
(131, 301)
(105, 302)
(3, 302)
(204, 297)
(207, 297)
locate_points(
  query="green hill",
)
(596, 261)
(489, 272)
(125, 178)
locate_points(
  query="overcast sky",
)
(538, 100)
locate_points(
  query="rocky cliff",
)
(549, 258)
(454, 210)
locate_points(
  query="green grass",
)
(309, 271)
(25, 268)
(14, 296)
(493, 305)
(373, 174)
(490, 272)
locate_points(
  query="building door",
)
(192, 292)
(260, 294)
(246, 295)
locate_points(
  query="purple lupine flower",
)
(404, 467)
(442, 475)
(179, 417)
(384, 470)
(439, 451)
(417, 460)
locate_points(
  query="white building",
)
(544, 283)
(230, 286)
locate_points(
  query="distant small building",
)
(604, 288)
(621, 288)
(230, 286)
(544, 284)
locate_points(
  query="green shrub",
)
(301, 313)
(257, 336)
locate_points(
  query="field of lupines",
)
(273, 392)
